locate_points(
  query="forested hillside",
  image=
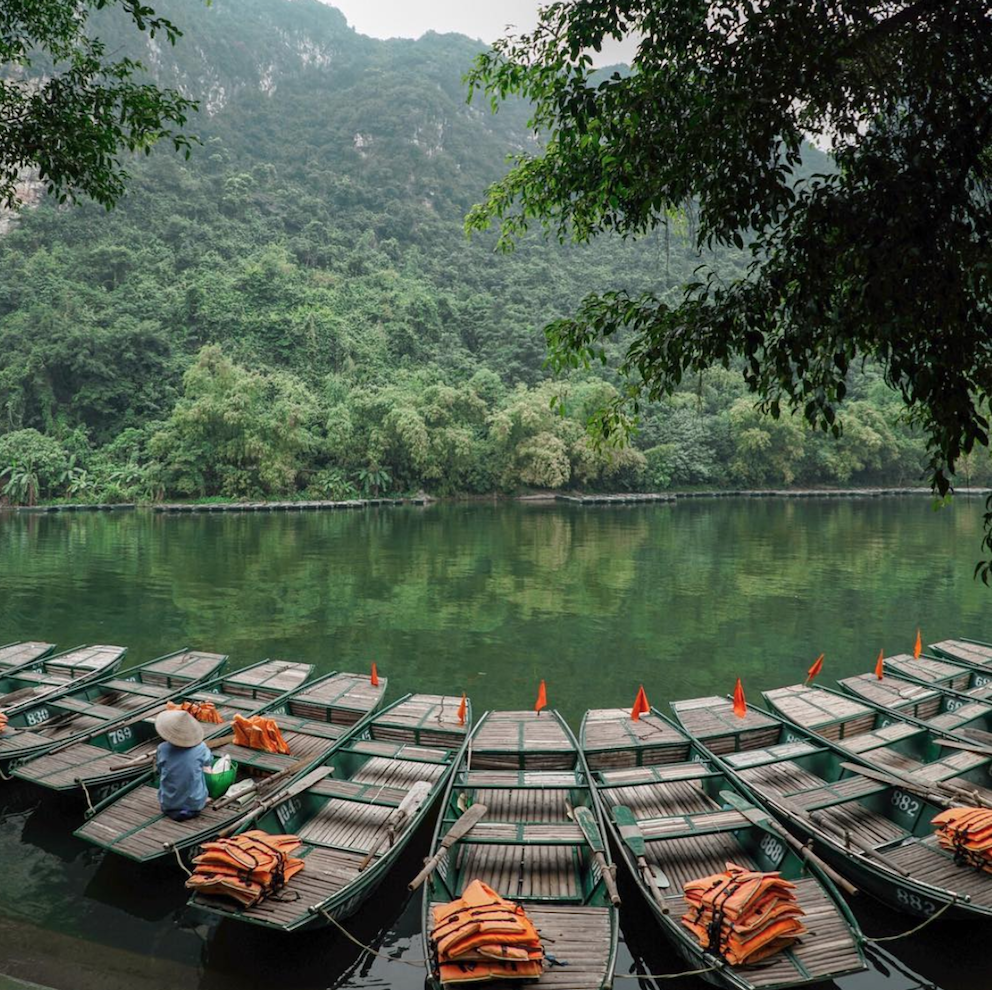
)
(296, 309)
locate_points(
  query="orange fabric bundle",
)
(247, 868)
(967, 832)
(202, 711)
(482, 936)
(743, 915)
(259, 732)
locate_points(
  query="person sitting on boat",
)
(182, 791)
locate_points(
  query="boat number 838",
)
(38, 716)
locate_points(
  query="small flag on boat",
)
(374, 679)
(880, 665)
(740, 704)
(815, 669)
(462, 710)
(542, 698)
(641, 706)
(918, 646)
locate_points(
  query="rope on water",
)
(91, 811)
(664, 976)
(179, 860)
(912, 931)
(367, 948)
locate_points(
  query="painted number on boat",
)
(906, 807)
(773, 849)
(791, 737)
(953, 704)
(913, 901)
(118, 736)
(981, 681)
(38, 716)
(286, 810)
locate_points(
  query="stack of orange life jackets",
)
(247, 868)
(967, 832)
(259, 732)
(743, 915)
(482, 936)
(202, 711)
(3, 721)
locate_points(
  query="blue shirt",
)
(180, 776)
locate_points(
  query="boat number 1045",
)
(286, 810)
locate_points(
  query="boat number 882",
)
(903, 802)
(916, 903)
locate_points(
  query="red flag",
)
(880, 665)
(462, 710)
(740, 704)
(918, 647)
(815, 669)
(641, 706)
(374, 679)
(542, 698)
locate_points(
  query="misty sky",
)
(476, 18)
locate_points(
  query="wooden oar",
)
(928, 790)
(468, 820)
(148, 757)
(633, 839)
(977, 748)
(297, 787)
(266, 784)
(414, 798)
(594, 839)
(763, 820)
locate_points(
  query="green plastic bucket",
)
(219, 783)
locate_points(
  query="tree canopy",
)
(886, 256)
(72, 111)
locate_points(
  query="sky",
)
(482, 19)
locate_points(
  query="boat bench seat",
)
(349, 790)
(656, 775)
(136, 687)
(88, 708)
(773, 754)
(404, 751)
(842, 792)
(703, 823)
(550, 834)
(520, 778)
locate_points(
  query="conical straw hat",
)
(179, 728)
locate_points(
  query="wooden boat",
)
(889, 740)
(527, 774)
(15, 656)
(96, 749)
(971, 652)
(675, 818)
(131, 824)
(346, 817)
(942, 708)
(877, 834)
(45, 673)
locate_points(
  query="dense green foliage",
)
(296, 309)
(887, 256)
(70, 110)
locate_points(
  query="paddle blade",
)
(630, 831)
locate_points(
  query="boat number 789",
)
(118, 736)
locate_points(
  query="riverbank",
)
(572, 498)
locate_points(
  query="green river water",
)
(488, 599)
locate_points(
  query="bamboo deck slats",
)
(979, 654)
(525, 740)
(829, 715)
(428, 719)
(343, 699)
(712, 721)
(893, 692)
(268, 680)
(937, 672)
(613, 739)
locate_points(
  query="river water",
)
(488, 599)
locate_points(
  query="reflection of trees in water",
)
(489, 598)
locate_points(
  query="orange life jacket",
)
(482, 936)
(967, 833)
(202, 711)
(247, 867)
(743, 915)
(259, 732)
(3, 721)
